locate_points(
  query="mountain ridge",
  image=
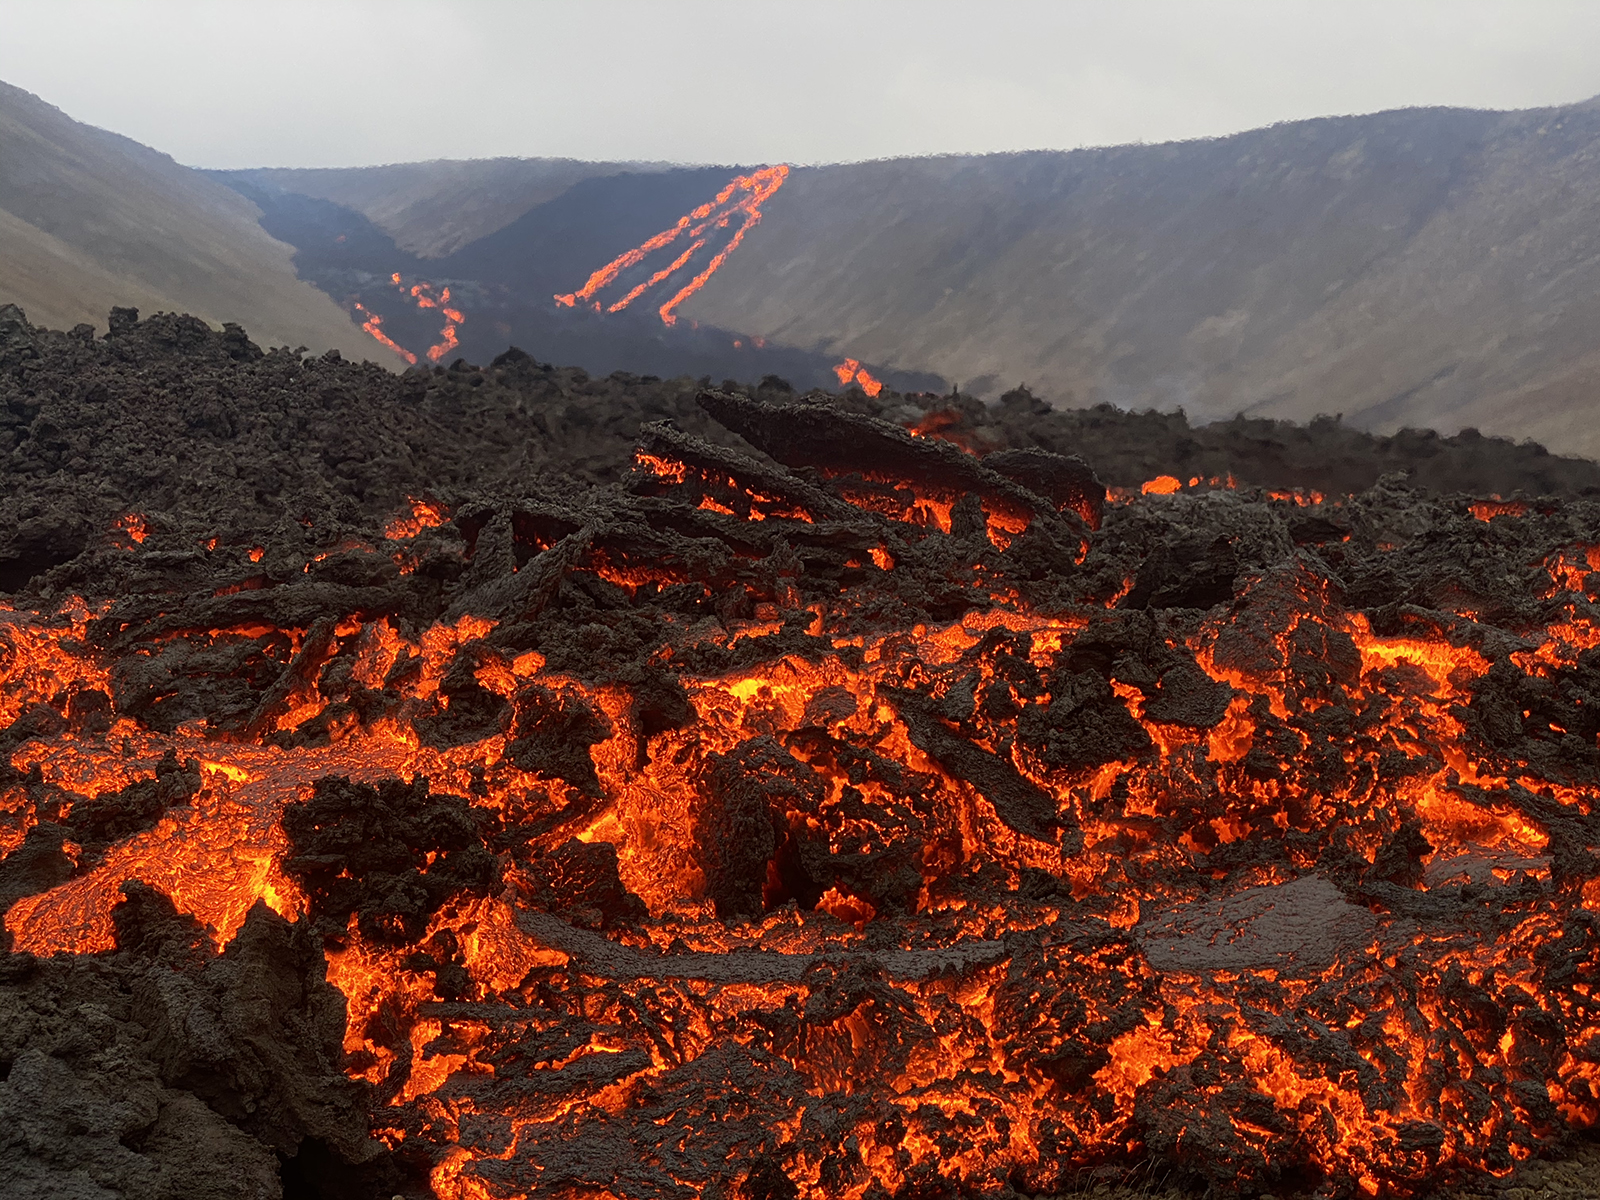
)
(1426, 267)
(91, 220)
(1282, 272)
(1429, 267)
(434, 208)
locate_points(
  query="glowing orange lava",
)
(740, 200)
(424, 514)
(373, 325)
(1488, 510)
(1015, 884)
(133, 525)
(424, 295)
(850, 370)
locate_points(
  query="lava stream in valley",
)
(705, 235)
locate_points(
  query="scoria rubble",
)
(501, 782)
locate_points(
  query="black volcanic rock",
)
(165, 1070)
(389, 855)
(168, 418)
(953, 808)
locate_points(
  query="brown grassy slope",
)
(434, 208)
(1425, 267)
(89, 220)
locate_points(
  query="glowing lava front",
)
(772, 821)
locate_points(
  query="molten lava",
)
(1488, 510)
(851, 371)
(424, 514)
(424, 295)
(870, 816)
(374, 326)
(133, 526)
(700, 242)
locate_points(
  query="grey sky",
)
(226, 83)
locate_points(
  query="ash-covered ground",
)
(499, 782)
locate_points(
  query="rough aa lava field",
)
(505, 782)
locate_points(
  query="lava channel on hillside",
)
(425, 296)
(863, 820)
(678, 261)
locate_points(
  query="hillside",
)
(431, 209)
(499, 290)
(90, 220)
(1424, 267)
(1427, 267)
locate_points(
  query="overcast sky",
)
(233, 83)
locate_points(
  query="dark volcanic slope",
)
(504, 284)
(168, 417)
(1424, 267)
(554, 247)
(551, 248)
(434, 208)
(863, 818)
(859, 817)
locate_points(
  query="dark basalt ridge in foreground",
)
(193, 426)
(262, 484)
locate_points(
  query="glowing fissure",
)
(373, 324)
(851, 371)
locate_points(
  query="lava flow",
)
(870, 818)
(706, 235)
(425, 295)
(851, 371)
(373, 325)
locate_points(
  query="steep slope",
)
(1427, 267)
(500, 290)
(1434, 268)
(561, 240)
(89, 220)
(432, 209)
